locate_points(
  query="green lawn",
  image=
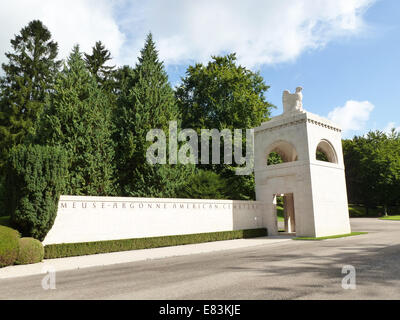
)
(279, 210)
(391, 218)
(5, 221)
(361, 211)
(358, 211)
(331, 237)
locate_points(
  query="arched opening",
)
(284, 208)
(281, 151)
(325, 152)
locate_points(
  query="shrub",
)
(35, 178)
(8, 246)
(30, 251)
(95, 247)
(204, 185)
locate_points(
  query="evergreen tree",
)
(205, 184)
(146, 102)
(121, 75)
(96, 64)
(29, 75)
(78, 118)
(34, 181)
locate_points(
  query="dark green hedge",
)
(35, 178)
(30, 251)
(86, 248)
(8, 246)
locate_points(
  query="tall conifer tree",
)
(146, 102)
(97, 65)
(29, 75)
(78, 118)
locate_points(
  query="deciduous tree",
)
(224, 95)
(373, 169)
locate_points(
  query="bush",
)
(30, 251)
(8, 246)
(204, 185)
(35, 178)
(86, 248)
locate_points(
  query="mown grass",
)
(355, 211)
(279, 211)
(5, 221)
(361, 211)
(331, 237)
(391, 218)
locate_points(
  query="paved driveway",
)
(286, 270)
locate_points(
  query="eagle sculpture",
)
(292, 101)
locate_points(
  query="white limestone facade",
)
(86, 219)
(318, 188)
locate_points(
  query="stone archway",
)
(286, 151)
(326, 152)
(318, 188)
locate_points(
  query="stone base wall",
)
(86, 219)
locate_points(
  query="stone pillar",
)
(290, 223)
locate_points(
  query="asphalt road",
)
(287, 270)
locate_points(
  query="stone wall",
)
(85, 219)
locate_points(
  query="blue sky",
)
(365, 68)
(344, 53)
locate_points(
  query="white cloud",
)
(353, 116)
(390, 126)
(260, 31)
(71, 22)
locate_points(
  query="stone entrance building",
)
(314, 191)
